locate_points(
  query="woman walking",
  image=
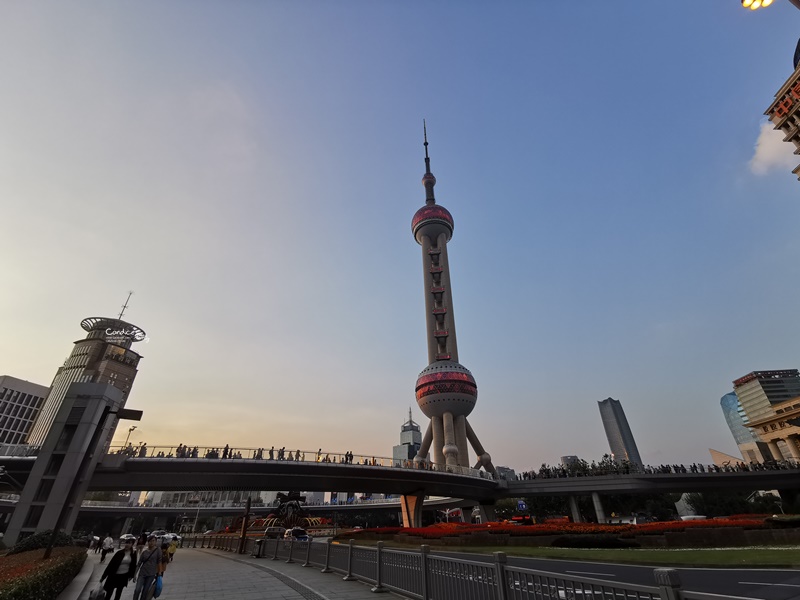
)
(120, 570)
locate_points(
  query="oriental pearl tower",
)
(446, 390)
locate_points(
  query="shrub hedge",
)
(40, 540)
(25, 576)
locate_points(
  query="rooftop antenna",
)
(125, 306)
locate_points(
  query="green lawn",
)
(784, 557)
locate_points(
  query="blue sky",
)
(625, 224)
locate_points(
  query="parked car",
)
(209, 532)
(297, 534)
(274, 532)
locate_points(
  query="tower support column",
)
(422, 453)
(461, 440)
(450, 449)
(438, 440)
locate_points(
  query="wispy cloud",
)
(772, 152)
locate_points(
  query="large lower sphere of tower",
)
(431, 221)
(446, 386)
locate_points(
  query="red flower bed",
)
(455, 529)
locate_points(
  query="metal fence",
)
(423, 576)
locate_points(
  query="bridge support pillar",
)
(598, 508)
(488, 513)
(411, 505)
(70, 454)
(573, 508)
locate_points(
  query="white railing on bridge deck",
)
(425, 576)
(18, 450)
(261, 454)
(229, 504)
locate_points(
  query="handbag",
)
(159, 585)
(98, 593)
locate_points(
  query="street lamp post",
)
(130, 431)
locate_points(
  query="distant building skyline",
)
(103, 356)
(20, 403)
(618, 432)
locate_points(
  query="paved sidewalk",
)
(197, 574)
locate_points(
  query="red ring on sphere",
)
(432, 212)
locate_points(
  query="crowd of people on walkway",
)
(584, 469)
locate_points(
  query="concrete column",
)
(774, 450)
(791, 447)
(66, 461)
(484, 460)
(573, 508)
(450, 449)
(488, 513)
(411, 506)
(438, 440)
(461, 440)
(598, 508)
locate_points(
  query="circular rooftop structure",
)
(114, 328)
(432, 220)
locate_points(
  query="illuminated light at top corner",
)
(755, 5)
(747, 3)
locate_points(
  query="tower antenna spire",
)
(428, 180)
(427, 158)
(125, 306)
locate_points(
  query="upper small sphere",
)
(432, 220)
(446, 386)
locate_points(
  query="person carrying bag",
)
(120, 570)
(149, 567)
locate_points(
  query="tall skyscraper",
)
(446, 390)
(760, 390)
(410, 441)
(20, 403)
(104, 356)
(752, 449)
(618, 432)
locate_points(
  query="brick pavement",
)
(197, 574)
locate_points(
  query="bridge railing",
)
(260, 454)
(18, 450)
(424, 576)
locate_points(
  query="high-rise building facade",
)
(446, 391)
(751, 447)
(760, 390)
(766, 399)
(410, 441)
(620, 438)
(104, 356)
(20, 403)
(784, 113)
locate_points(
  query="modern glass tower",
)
(446, 390)
(618, 432)
(104, 356)
(747, 440)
